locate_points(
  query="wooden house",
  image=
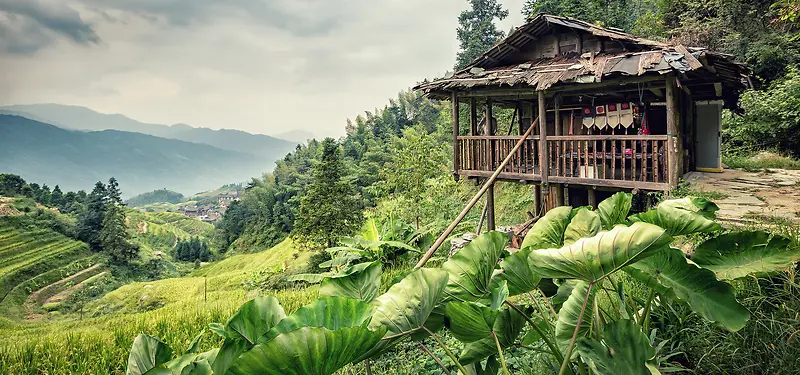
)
(615, 112)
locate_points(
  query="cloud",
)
(29, 25)
(262, 66)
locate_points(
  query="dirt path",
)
(142, 227)
(35, 295)
(753, 195)
(68, 292)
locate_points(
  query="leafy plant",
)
(487, 297)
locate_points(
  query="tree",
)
(114, 237)
(418, 156)
(11, 184)
(57, 197)
(329, 209)
(90, 222)
(476, 30)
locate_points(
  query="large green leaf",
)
(669, 273)
(740, 254)
(701, 206)
(548, 232)
(585, 223)
(228, 352)
(593, 258)
(406, 306)
(518, 271)
(625, 350)
(361, 281)
(147, 353)
(569, 313)
(470, 269)
(307, 351)
(682, 216)
(470, 321)
(255, 318)
(330, 312)
(507, 326)
(614, 210)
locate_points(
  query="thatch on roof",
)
(638, 57)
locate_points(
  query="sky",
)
(262, 66)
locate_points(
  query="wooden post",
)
(537, 200)
(544, 157)
(592, 197)
(557, 123)
(456, 147)
(473, 116)
(675, 150)
(490, 130)
(490, 208)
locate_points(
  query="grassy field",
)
(33, 259)
(175, 310)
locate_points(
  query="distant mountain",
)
(75, 160)
(82, 118)
(299, 136)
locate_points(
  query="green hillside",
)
(33, 259)
(155, 196)
(47, 154)
(159, 231)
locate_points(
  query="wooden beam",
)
(456, 151)
(473, 116)
(557, 126)
(675, 148)
(530, 36)
(490, 208)
(487, 126)
(657, 92)
(537, 200)
(544, 156)
(427, 256)
(592, 198)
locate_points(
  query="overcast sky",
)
(263, 66)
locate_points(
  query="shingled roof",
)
(504, 64)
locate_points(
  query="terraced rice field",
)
(24, 255)
(161, 230)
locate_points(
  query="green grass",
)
(163, 229)
(760, 161)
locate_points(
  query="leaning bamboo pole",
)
(474, 200)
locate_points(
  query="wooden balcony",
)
(617, 161)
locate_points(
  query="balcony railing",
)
(623, 161)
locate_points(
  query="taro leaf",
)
(406, 306)
(681, 217)
(470, 321)
(499, 295)
(307, 351)
(625, 349)
(614, 210)
(569, 313)
(670, 274)
(702, 206)
(563, 293)
(188, 364)
(517, 270)
(585, 223)
(593, 258)
(434, 323)
(255, 318)
(740, 254)
(218, 329)
(470, 269)
(507, 326)
(330, 312)
(361, 281)
(147, 353)
(548, 232)
(311, 278)
(230, 350)
(491, 368)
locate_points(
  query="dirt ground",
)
(753, 196)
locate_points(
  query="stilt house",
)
(600, 111)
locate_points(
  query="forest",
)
(316, 268)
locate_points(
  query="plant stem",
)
(446, 350)
(547, 301)
(646, 314)
(438, 362)
(500, 351)
(545, 338)
(567, 356)
(368, 366)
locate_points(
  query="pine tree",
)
(57, 197)
(114, 236)
(329, 209)
(476, 30)
(90, 222)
